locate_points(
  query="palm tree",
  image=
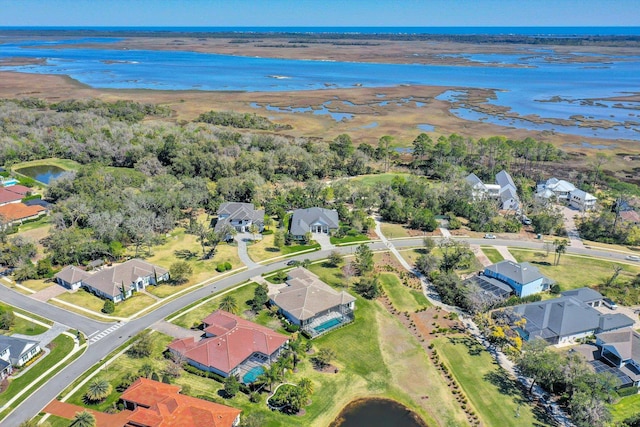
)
(307, 385)
(283, 364)
(84, 419)
(561, 247)
(229, 304)
(269, 377)
(98, 390)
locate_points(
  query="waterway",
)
(42, 173)
(535, 82)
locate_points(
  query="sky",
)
(334, 13)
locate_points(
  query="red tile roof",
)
(7, 196)
(17, 211)
(161, 405)
(19, 189)
(235, 340)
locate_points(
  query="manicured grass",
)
(402, 297)
(5, 307)
(494, 395)
(84, 299)
(262, 249)
(42, 222)
(348, 239)
(38, 285)
(393, 231)
(65, 164)
(61, 346)
(625, 408)
(57, 421)
(288, 250)
(575, 271)
(492, 253)
(132, 305)
(25, 327)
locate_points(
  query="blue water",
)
(523, 88)
(42, 173)
(252, 375)
(326, 325)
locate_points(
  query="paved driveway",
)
(242, 239)
(570, 226)
(52, 291)
(175, 330)
(324, 240)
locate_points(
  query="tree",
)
(260, 298)
(278, 239)
(426, 263)
(7, 319)
(560, 248)
(109, 307)
(84, 419)
(228, 304)
(142, 347)
(269, 377)
(180, 271)
(454, 255)
(342, 145)
(306, 385)
(368, 287)
(254, 230)
(348, 271)
(538, 363)
(364, 259)
(146, 370)
(429, 244)
(335, 258)
(324, 357)
(231, 386)
(383, 151)
(422, 145)
(98, 390)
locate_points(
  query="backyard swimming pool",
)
(327, 325)
(251, 376)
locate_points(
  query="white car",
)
(489, 236)
(609, 303)
(633, 257)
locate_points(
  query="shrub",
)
(221, 268)
(109, 307)
(227, 265)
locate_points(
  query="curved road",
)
(103, 347)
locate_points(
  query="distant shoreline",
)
(583, 36)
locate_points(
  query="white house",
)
(504, 190)
(565, 192)
(240, 216)
(582, 200)
(15, 352)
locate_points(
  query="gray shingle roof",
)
(71, 274)
(238, 211)
(626, 343)
(302, 219)
(473, 180)
(503, 179)
(522, 273)
(17, 347)
(585, 295)
(306, 295)
(110, 280)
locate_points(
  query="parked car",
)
(609, 303)
(526, 221)
(293, 262)
(489, 236)
(633, 257)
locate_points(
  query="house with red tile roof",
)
(232, 346)
(155, 404)
(7, 196)
(13, 213)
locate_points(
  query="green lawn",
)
(26, 327)
(133, 305)
(43, 221)
(575, 271)
(402, 297)
(393, 231)
(348, 239)
(494, 395)
(288, 250)
(492, 253)
(61, 346)
(376, 180)
(61, 163)
(84, 299)
(625, 408)
(126, 308)
(58, 421)
(38, 285)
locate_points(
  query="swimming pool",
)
(251, 376)
(327, 325)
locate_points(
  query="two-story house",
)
(239, 216)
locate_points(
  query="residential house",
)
(523, 278)
(582, 200)
(17, 213)
(71, 277)
(313, 220)
(564, 192)
(312, 304)
(621, 350)
(232, 346)
(240, 216)
(15, 352)
(8, 196)
(565, 319)
(114, 283)
(504, 190)
(156, 404)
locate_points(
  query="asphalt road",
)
(102, 348)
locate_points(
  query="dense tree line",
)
(240, 120)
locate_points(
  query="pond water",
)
(377, 413)
(42, 173)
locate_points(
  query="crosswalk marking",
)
(105, 333)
